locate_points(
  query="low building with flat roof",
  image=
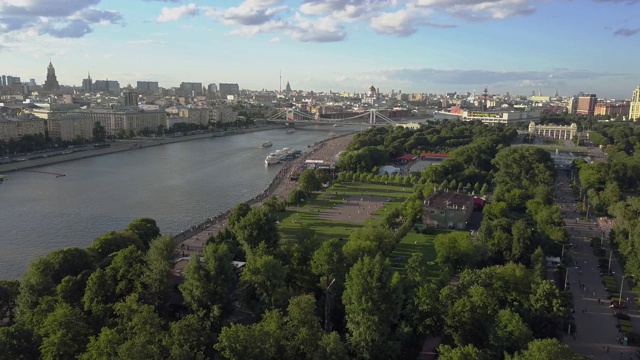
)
(501, 117)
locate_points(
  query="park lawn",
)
(418, 243)
(306, 216)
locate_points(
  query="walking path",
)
(597, 335)
(195, 239)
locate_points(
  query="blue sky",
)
(518, 46)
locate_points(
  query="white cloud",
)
(176, 13)
(397, 23)
(275, 40)
(146, 42)
(479, 9)
(316, 30)
(61, 19)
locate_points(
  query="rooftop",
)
(447, 199)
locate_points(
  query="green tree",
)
(372, 305)
(45, 273)
(237, 214)
(190, 339)
(467, 352)
(208, 283)
(510, 333)
(99, 132)
(266, 276)
(331, 347)
(495, 210)
(146, 229)
(308, 181)
(17, 342)
(302, 327)
(138, 334)
(259, 226)
(296, 197)
(368, 241)
(64, 333)
(8, 293)
(456, 250)
(545, 349)
(156, 279)
(328, 264)
(468, 321)
(261, 341)
(538, 263)
(112, 242)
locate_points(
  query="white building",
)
(501, 117)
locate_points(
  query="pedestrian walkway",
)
(597, 335)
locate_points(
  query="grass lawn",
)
(295, 219)
(418, 243)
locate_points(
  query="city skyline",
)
(433, 46)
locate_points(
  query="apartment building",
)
(17, 128)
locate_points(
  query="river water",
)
(177, 184)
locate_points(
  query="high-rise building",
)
(106, 85)
(8, 80)
(147, 87)
(287, 89)
(634, 109)
(130, 98)
(87, 84)
(212, 89)
(587, 104)
(52, 81)
(191, 88)
(228, 89)
(3, 80)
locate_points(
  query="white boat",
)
(279, 156)
(337, 125)
(267, 144)
(290, 131)
(272, 158)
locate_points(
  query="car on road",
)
(618, 304)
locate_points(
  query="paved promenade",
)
(597, 335)
(195, 238)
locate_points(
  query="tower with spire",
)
(87, 85)
(287, 89)
(52, 81)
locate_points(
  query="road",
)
(597, 334)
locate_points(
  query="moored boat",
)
(267, 144)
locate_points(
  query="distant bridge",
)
(293, 116)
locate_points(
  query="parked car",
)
(618, 304)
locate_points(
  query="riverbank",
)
(195, 238)
(120, 146)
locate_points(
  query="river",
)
(177, 184)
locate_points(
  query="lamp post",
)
(566, 278)
(621, 286)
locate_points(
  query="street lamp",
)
(622, 286)
(566, 278)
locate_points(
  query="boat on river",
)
(281, 155)
(290, 131)
(267, 144)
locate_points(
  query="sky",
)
(431, 46)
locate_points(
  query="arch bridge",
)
(290, 115)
